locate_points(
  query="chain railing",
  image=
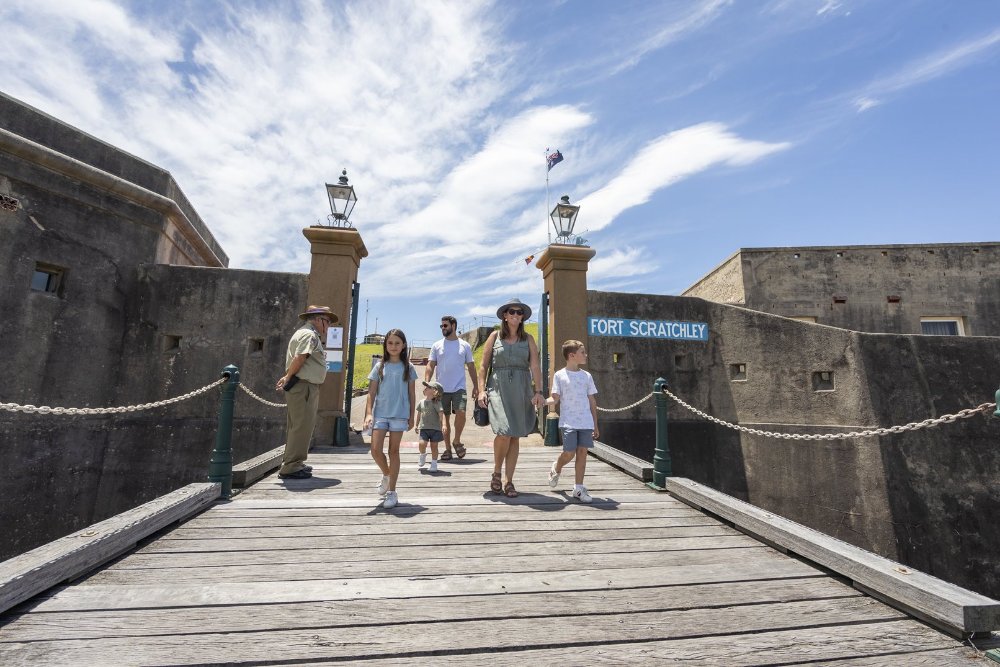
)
(866, 433)
(628, 407)
(262, 400)
(46, 410)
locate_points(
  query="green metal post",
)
(996, 413)
(220, 469)
(341, 426)
(551, 430)
(661, 457)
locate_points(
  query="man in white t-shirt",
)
(451, 357)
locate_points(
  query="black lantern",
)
(563, 218)
(342, 200)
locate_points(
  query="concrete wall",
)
(106, 218)
(925, 498)
(70, 472)
(875, 289)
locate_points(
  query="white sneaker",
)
(391, 499)
(582, 495)
(434, 466)
(383, 486)
(553, 476)
(423, 461)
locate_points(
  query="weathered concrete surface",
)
(925, 498)
(884, 289)
(106, 217)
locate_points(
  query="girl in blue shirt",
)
(389, 409)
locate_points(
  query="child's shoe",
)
(391, 499)
(423, 461)
(553, 476)
(580, 493)
(434, 466)
(383, 486)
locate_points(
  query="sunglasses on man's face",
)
(445, 326)
(515, 311)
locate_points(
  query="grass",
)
(363, 354)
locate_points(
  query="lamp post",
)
(342, 200)
(563, 219)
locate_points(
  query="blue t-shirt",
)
(393, 398)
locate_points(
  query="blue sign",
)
(618, 326)
(334, 366)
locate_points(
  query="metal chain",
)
(912, 426)
(627, 407)
(45, 410)
(265, 402)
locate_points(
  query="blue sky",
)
(689, 129)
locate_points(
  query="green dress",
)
(509, 385)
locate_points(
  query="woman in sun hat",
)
(510, 367)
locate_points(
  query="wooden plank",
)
(375, 540)
(182, 594)
(147, 622)
(543, 522)
(891, 644)
(282, 500)
(248, 472)
(214, 519)
(736, 557)
(948, 606)
(482, 636)
(628, 464)
(409, 552)
(31, 573)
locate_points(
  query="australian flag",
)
(553, 159)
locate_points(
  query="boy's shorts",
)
(453, 401)
(431, 435)
(390, 424)
(572, 438)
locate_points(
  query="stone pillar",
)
(336, 256)
(564, 269)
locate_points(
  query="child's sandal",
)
(496, 485)
(509, 490)
(445, 455)
(460, 450)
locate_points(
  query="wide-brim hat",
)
(436, 386)
(516, 303)
(319, 310)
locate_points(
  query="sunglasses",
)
(445, 326)
(515, 311)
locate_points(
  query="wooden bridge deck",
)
(312, 571)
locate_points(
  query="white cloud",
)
(667, 160)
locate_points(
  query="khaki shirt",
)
(306, 341)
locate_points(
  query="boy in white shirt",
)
(575, 389)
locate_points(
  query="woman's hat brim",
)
(516, 303)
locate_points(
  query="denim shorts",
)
(453, 401)
(431, 435)
(390, 424)
(572, 438)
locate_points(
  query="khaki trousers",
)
(303, 402)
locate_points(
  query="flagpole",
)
(547, 230)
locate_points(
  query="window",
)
(942, 326)
(823, 381)
(737, 372)
(255, 347)
(171, 344)
(804, 318)
(47, 278)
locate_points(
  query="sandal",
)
(460, 450)
(509, 490)
(496, 486)
(445, 455)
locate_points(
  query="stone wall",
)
(69, 472)
(877, 289)
(924, 498)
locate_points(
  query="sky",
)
(689, 129)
